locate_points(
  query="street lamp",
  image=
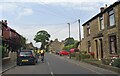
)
(69, 29)
(79, 30)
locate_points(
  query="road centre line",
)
(50, 69)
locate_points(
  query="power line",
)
(47, 7)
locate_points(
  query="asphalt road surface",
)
(55, 64)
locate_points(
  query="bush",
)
(106, 61)
(4, 52)
(83, 52)
(116, 62)
(72, 54)
(84, 56)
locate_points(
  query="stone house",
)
(0, 33)
(102, 33)
(55, 46)
(30, 46)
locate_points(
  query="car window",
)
(25, 53)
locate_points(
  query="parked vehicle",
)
(63, 52)
(74, 50)
(27, 56)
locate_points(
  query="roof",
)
(113, 5)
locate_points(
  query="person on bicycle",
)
(42, 55)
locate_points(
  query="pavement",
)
(7, 66)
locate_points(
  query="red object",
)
(63, 53)
(74, 50)
(92, 53)
(71, 50)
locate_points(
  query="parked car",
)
(74, 50)
(26, 56)
(63, 52)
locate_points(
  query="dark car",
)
(26, 56)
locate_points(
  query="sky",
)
(28, 17)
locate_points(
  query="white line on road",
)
(48, 64)
(52, 74)
(50, 69)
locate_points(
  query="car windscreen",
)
(25, 53)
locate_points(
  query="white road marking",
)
(52, 74)
(48, 64)
(50, 69)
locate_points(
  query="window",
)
(113, 46)
(89, 47)
(88, 29)
(101, 22)
(111, 18)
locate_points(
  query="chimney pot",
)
(105, 5)
(102, 9)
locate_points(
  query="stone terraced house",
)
(102, 33)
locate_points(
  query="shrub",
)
(106, 61)
(92, 54)
(116, 62)
(84, 56)
(72, 54)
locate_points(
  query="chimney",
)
(5, 21)
(2, 21)
(101, 9)
(105, 5)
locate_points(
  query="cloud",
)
(25, 12)
(5, 7)
(59, 1)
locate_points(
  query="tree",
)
(69, 41)
(42, 36)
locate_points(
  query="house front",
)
(102, 33)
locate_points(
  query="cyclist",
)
(42, 55)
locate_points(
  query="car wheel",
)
(19, 64)
(34, 62)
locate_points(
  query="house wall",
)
(97, 34)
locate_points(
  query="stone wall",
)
(97, 34)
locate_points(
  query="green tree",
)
(42, 36)
(69, 41)
(68, 47)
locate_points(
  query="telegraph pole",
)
(69, 29)
(79, 31)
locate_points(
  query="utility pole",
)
(80, 39)
(79, 30)
(69, 29)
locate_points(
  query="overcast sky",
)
(27, 17)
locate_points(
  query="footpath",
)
(7, 66)
(8, 62)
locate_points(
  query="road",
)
(55, 64)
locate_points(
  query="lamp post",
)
(69, 29)
(79, 30)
